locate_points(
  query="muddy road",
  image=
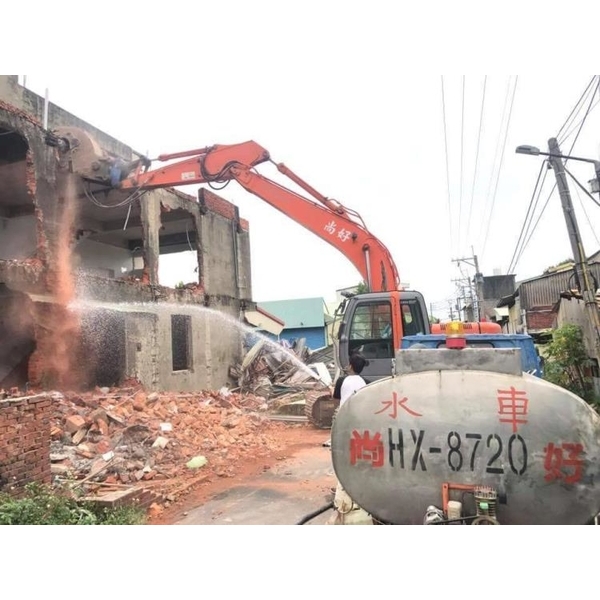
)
(276, 490)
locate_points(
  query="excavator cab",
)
(370, 324)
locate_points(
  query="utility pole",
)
(461, 296)
(582, 271)
(477, 294)
(478, 285)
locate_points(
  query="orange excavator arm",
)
(341, 227)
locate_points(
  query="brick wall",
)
(24, 442)
(222, 207)
(541, 317)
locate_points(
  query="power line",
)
(476, 156)
(585, 116)
(581, 124)
(580, 186)
(500, 166)
(462, 137)
(587, 216)
(535, 226)
(554, 186)
(495, 158)
(527, 225)
(570, 133)
(575, 108)
(447, 167)
(530, 210)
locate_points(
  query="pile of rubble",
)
(166, 442)
(282, 376)
(114, 440)
(12, 392)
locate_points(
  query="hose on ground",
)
(315, 513)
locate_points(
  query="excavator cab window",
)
(412, 318)
(371, 330)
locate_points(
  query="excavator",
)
(373, 323)
(451, 428)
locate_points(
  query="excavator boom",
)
(331, 221)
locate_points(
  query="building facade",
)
(81, 302)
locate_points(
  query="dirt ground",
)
(293, 437)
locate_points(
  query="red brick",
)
(222, 207)
(74, 423)
(139, 401)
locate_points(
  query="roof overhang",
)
(262, 320)
(508, 300)
(502, 312)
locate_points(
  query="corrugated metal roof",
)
(298, 313)
(546, 289)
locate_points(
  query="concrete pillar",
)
(150, 215)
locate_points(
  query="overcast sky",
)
(329, 94)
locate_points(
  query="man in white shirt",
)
(346, 511)
(352, 382)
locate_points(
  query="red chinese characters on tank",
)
(563, 462)
(363, 447)
(394, 404)
(512, 407)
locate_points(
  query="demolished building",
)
(80, 298)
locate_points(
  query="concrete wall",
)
(24, 442)
(515, 319)
(31, 103)
(215, 339)
(572, 312)
(498, 286)
(225, 250)
(213, 346)
(18, 237)
(143, 350)
(244, 265)
(97, 258)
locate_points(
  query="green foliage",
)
(568, 364)
(562, 263)
(41, 505)
(126, 515)
(362, 288)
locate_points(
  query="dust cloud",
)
(62, 351)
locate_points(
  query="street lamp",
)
(533, 151)
(582, 270)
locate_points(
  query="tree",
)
(568, 363)
(362, 288)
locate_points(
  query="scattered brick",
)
(74, 423)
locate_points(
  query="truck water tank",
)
(406, 443)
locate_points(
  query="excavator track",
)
(319, 409)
